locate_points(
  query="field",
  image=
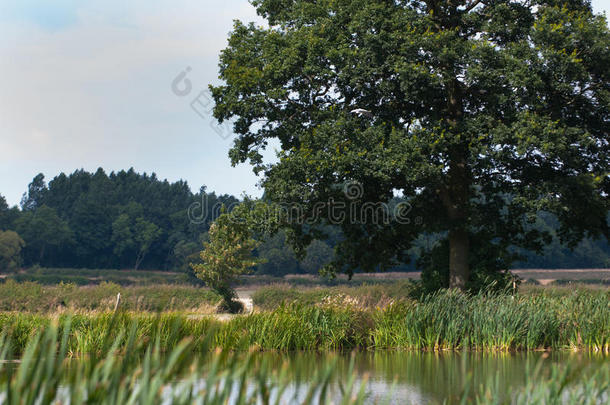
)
(34, 297)
(52, 276)
(565, 276)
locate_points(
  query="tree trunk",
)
(458, 199)
(459, 270)
(139, 258)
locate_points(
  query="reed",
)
(448, 320)
(114, 376)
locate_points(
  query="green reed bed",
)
(127, 369)
(143, 373)
(290, 328)
(451, 320)
(445, 321)
(298, 327)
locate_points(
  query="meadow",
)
(84, 277)
(34, 297)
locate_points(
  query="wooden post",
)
(118, 301)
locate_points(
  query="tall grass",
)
(33, 297)
(452, 320)
(360, 296)
(115, 376)
(448, 320)
(129, 370)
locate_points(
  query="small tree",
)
(10, 250)
(134, 236)
(226, 256)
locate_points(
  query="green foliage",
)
(5, 217)
(319, 255)
(134, 235)
(577, 320)
(114, 220)
(101, 212)
(185, 253)
(128, 370)
(278, 257)
(480, 116)
(10, 250)
(36, 298)
(227, 255)
(43, 230)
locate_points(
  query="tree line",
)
(129, 220)
(123, 220)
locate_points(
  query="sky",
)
(88, 84)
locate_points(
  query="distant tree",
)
(91, 220)
(278, 257)
(480, 113)
(35, 195)
(185, 252)
(319, 255)
(134, 237)
(122, 235)
(10, 250)
(278, 262)
(227, 255)
(91, 202)
(4, 213)
(42, 229)
(145, 234)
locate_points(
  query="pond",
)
(394, 377)
(425, 377)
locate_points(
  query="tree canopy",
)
(10, 250)
(228, 254)
(71, 236)
(480, 114)
(119, 220)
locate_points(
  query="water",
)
(423, 377)
(396, 377)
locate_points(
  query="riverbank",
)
(448, 320)
(127, 369)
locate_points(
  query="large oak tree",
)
(482, 113)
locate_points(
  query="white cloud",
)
(87, 84)
(97, 93)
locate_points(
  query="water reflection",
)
(424, 377)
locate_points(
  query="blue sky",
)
(89, 84)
